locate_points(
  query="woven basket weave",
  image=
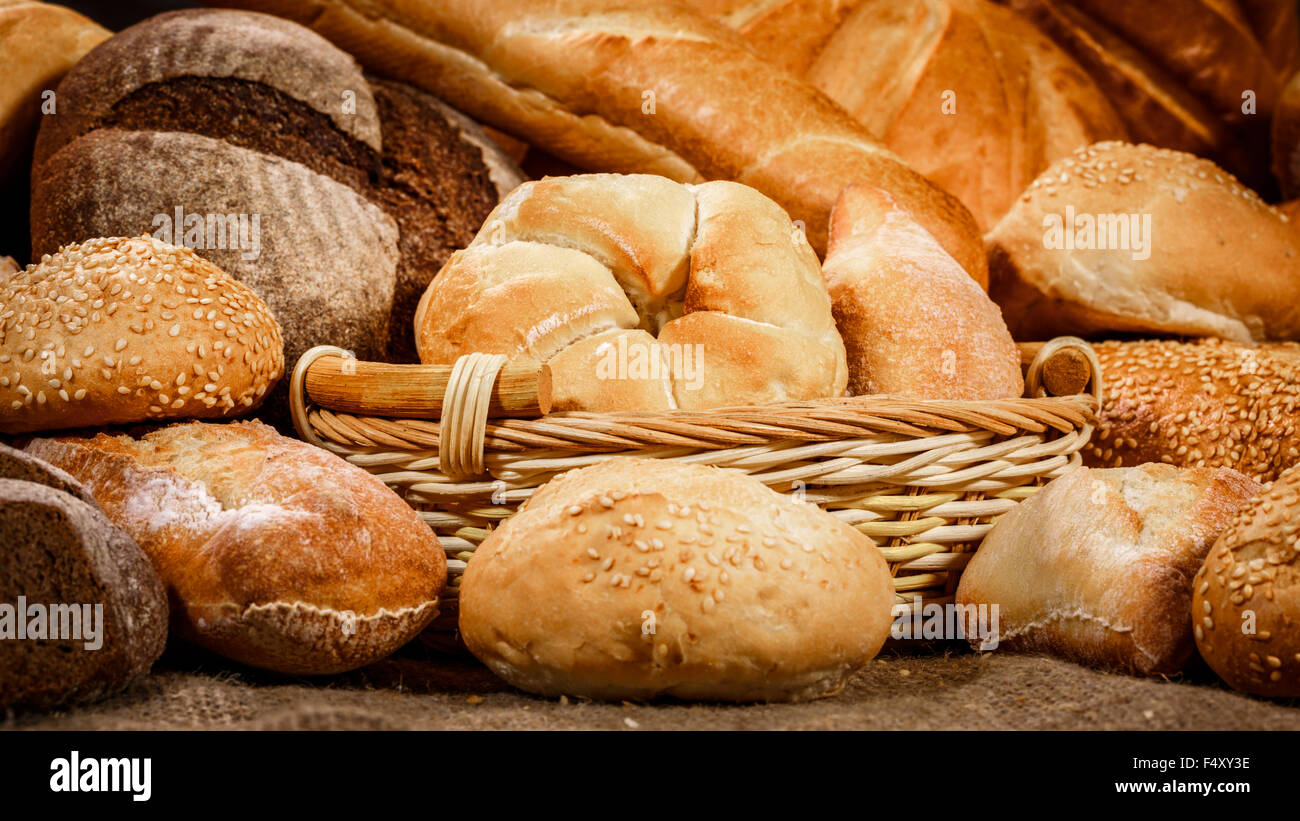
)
(924, 479)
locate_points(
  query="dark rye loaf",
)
(269, 86)
(327, 258)
(57, 547)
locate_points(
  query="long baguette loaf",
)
(658, 89)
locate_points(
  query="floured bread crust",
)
(277, 554)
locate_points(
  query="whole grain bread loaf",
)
(270, 87)
(92, 611)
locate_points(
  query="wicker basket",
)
(924, 479)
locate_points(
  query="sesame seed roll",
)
(117, 330)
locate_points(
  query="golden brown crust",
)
(277, 553)
(1167, 260)
(119, 330)
(913, 323)
(39, 42)
(1206, 403)
(642, 578)
(717, 270)
(968, 92)
(1247, 602)
(571, 77)
(1098, 565)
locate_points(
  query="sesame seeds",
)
(44, 307)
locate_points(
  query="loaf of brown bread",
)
(1205, 403)
(651, 88)
(275, 553)
(92, 611)
(361, 187)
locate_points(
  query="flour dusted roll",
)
(119, 330)
(641, 578)
(1097, 566)
(716, 271)
(913, 323)
(276, 553)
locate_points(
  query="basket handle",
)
(332, 378)
(1064, 366)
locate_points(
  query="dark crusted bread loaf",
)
(326, 259)
(268, 86)
(60, 558)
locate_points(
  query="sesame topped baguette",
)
(118, 330)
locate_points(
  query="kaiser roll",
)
(118, 330)
(717, 271)
(642, 578)
(275, 553)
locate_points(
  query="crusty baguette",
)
(655, 88)
(1206, 403)
(118, 330)
(913, 323)
(1097, 566)
(276, 553)
(967, 92)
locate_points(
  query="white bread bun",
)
(1206, 235)
(717, 267)
(913, 323)
(275, 553)
(1247, 601)
(640, 578)
(1097, 566)
(117, 330)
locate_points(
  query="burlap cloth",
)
(932, 689)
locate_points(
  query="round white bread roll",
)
(1246, 597)
(640, 578)
(116, 330)
(1138, 239)
(717, 271)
